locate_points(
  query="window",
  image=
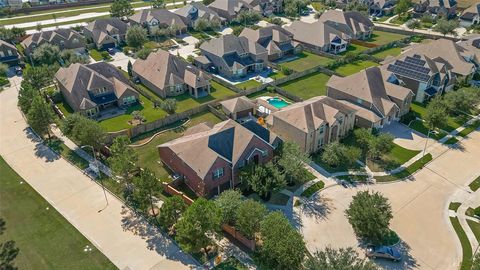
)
(218, 173)
(359, 101)
(2, 54)
(9, 52)
(241, 164)
(322, 128)
(129, 100)
(264, 153)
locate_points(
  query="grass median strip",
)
(307, 193)
(475, 184)
(475, 227)
(469, 129)
(417, 165)
(466, 247)
(454, 206)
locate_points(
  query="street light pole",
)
(95, 162)
(426, 141)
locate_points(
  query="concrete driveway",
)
(186, 50)
(420, 208)
(121, 60)
(128, 241)
(407, 137)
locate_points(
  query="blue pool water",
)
(277, 102)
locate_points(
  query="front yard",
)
(306, 61)
(148, 156)
(396, 158)
(308, 86)
(453, 122)
(354, 67)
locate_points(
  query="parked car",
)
(111, 51)
(18, 70)
(384, 252)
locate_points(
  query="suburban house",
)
(8, 53)
(379, 8)
(470, 16)
(238, 108)
(319, 36)
(313, 123)
(229, 9)
(232, 56)
(223, 149)
(106, 33)
(169, 75)
(351, 23)
(266, 7)
(63, 38)
(371, 93)
(442, 8)
(195, 11)
(92, 89)
(276, 40)
(153, 19)
(470, 50)
(432, 68)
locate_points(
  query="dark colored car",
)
(18, 70)
(384, 252)
(111, 51)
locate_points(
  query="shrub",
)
(407, 118)
(143, 53)
(286, 71)
(105, 55)
(477, 211)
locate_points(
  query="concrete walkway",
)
(126, 239)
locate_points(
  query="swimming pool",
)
(277, 102)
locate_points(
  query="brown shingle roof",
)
(317, 33)
(238, 104)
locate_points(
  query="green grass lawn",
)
(230, 264)
(355, 48)
(277, 75)
(396, 158)
(354, 67)
(307, 193)
(354, 178)
(466, 247)
(217, 91)
(45, 238)
(382, 38)
(97, 55)
(306, 61)
(469, 129)
(451, 141)
(308, 86)
(246, 85)
(422, 128)
(454, 206)
(475, 184)
(148, 154)
(65, 108)
(453, 122)
(417, 165)
(317, 158)
(475, 227)
(388, 52)
(67, 153)
(121, 122)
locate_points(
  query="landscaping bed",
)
(307, 193)
(466, 247)
(307, 60)
(454, 206)
(354, 67)
(475, 184)
(308, 86)
(417, 165)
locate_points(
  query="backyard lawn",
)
(354, 67)
(306, 61)
(388, 52)
(148, 154)
(97, 55)
(246, 85)
(65, 108)
(308, 86)
(45, 238)
(355, 48)
(381, 38)
(217, 91)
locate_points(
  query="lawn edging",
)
(407, 172)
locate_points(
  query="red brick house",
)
(210, 158)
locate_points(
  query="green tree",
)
(201, 218)
(121, 8)
(88, 132)
(11, 34)
(201, 24)
(136, 36)
(228, 202)
(130, 68)
(248, 17)
(8, 253)
(380, 145)
(123, 158)
(338, 259)
(282, 246)
(436, 113)
(70, 57)
(69, 122)
(145, 186)
(40, 76)
(370, 215)
(336, 154)
(169, 105)
(26, 95)
(40, 116)
(264, 180)
(446, 27)
(292, 160)
(158, 3)
(462, 100)
(143, 53)
(46, 54)
(363, 137)
(171, 211)
(3, 70)
(402, 6)
(248, 217)
(207, 2)
(414, 24)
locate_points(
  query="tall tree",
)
(249, 215)
(8, 253)
(436, 113)
(264, 180)
(248, 17)
(158, 3)
(292, 160)
(228, 202)
(201, 218)
(40, 116)
(88, 132)
(26, 95)
(136, 36)
(402, 6)
(370, 215)
(446, 27)
(121, 9)
(169, 105)
(462, 100)
(46, 54)
(40, 76)
(171, 211)
(414, 24)
(282, 246)
(11, 34)
(130, 68)
(123, 158)
(145, 187)
(379, 145)
(338, 259)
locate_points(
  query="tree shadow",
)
(156, 239)
(408, 261)
(44, 152)
(317, 206)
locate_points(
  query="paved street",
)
(419, 205)
(126, 240)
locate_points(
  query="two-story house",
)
(8, 53)
(106, 33)
(210, 157)
(229, 9)
(266, 7)
(232, 56)
(196, 11)
(470, 16)
(379, 8)
(63, 38)
(94, 88)
(352, 23)
(441, 8)
(276, 40)
(319, 36)
(169, 75)
(376, 99)
(313, 123)
(153, 19)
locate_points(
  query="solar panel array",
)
(411, 67)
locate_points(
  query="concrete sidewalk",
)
(127, 240)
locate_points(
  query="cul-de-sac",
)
(240, 134)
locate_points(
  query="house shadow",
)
(155, 239)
